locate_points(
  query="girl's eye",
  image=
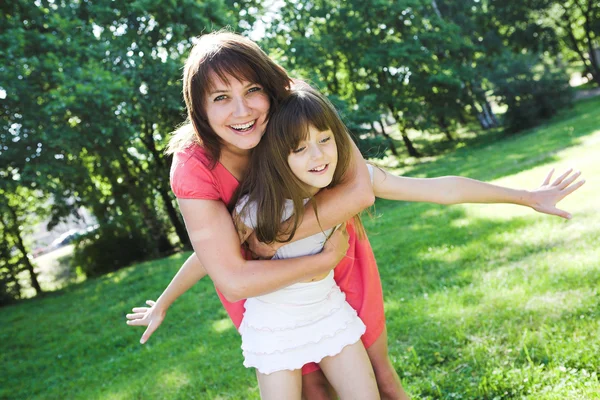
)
(326, 139)
(298, 150)
(219, 98)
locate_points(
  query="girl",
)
(230, 88)
(305, 148)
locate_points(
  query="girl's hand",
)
(262, 250)
(144, 316)
(544, 198)
(337, 245)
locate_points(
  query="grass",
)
(482, 301)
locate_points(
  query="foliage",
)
(481, 301)
(531, 96)
(110, 248)
(89, 93)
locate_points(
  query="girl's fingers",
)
(135, 316)
(561, 213)
(147, 333)
(150, 303)
(137, 322)
(548, 177)
(569, 180)
(139, 309)
(573, 187)
(562, 177)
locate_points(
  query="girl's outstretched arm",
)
(190, 272)
(456, 190)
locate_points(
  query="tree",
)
(89, 92)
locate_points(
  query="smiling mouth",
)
(319, 168)
(243, 127)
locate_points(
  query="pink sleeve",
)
(192, 179)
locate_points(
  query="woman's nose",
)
(241, 108)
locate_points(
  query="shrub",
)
(532, 90)
(108, 249)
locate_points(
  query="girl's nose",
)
(241, 108)
(315, 151)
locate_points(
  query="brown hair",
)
(270, 180)
(223, 54)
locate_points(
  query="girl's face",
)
(315, 159)
(237, 111)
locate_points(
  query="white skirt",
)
(296, 325)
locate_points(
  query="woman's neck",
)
(236, 162)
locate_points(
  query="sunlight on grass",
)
(175, 379)
(222, 325)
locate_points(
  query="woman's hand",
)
(545, 198)
(151, 317)
(337, 244)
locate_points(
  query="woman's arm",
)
(456, 190)
(190, 272)
(335, 206)
(216, 244)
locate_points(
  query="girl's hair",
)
(270, 180)
(222, 54)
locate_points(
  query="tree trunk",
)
(407, 142)
(490, 114)
(162, 169)
(595, 67)
(482, 121)
(149, 217)
(442, 123)
(21, 246)
(409, 146)
(174, 218)
(591, 63)
(389, 139)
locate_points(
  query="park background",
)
(491, 302)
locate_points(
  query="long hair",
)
(270, 181)
(222, 54)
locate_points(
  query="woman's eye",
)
(254, 89)
(219, 98)
(298, 150)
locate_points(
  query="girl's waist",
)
(301, 293)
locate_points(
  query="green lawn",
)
(487, 302)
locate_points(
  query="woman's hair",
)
(222, 54)
(270, 180)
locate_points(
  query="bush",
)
(108, 249)
(532, 90)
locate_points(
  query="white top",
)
(303, 247)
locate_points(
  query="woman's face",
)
(315, 159)
(237, 112)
